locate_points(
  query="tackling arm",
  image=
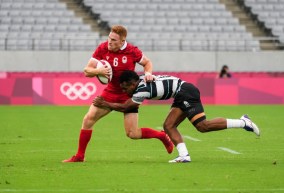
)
(129, 104)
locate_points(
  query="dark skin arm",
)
(129, 104)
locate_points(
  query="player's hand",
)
(149, 77)
(98, 101)
(105, 71)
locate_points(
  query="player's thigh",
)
(174, 118)
(94, 114)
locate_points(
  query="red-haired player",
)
(122, 56)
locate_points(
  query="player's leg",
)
(193, 107)
(91, 117)
(174, 118)
(134, 132)
(208, 125)
(220, 123)
(131, 126)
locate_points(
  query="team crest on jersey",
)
(124, 59)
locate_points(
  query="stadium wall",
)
(74, 61)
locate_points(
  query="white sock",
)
(182, 150)
(235, 123)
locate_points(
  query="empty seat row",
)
(30, 6)
(180, 36)
(175, 21)
(36, 13)
(154, 6)
(109, 14)
(183, 28)
(264, 1)
(49, 35)
(49, 44)
(199, 45)
(151, 1)
(40, 20)
(52, 28)
(32, 1)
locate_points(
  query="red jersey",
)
(124, 59)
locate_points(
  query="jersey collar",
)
(124, 46)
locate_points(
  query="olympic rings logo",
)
(78, 90)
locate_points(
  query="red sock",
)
(85, 136)
(148, 133)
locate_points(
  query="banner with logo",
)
(55, 91)
(25, 89)
(76, 91)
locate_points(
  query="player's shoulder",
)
(131, 48)
(101, 49)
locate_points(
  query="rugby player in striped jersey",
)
(186, 104)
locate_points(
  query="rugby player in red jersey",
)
(122, 56)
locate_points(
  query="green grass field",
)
(35, 139)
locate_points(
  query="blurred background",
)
(45, 44)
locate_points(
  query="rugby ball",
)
(101, 78)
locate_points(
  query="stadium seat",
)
(182, 17)
(31, 20)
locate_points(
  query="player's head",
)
(128, 81)
(117, 37)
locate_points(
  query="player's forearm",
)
(90, 72)
(148, 68)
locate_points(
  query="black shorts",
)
(188, 100)
(134, 110)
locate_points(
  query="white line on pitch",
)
(228, 150)
(185, 136)
(191, 138)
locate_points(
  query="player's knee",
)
(86, 118)
(132, 135)
(167, 126)
(88, 122)
(202, 126)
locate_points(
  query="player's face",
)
(114, 42)
(128, 88)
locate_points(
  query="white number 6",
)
(115, 62)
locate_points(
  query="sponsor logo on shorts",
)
(186, 104)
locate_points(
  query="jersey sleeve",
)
(137, 54)
(98, 53)
(140, 96)
(137, 99)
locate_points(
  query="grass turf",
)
(35, 139)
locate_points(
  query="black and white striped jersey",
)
(162, 88)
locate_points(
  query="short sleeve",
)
(140, 96)
(137, 54)
(99, 52)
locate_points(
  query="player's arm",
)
(128, 105)
(91, 69)
(148, 68)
